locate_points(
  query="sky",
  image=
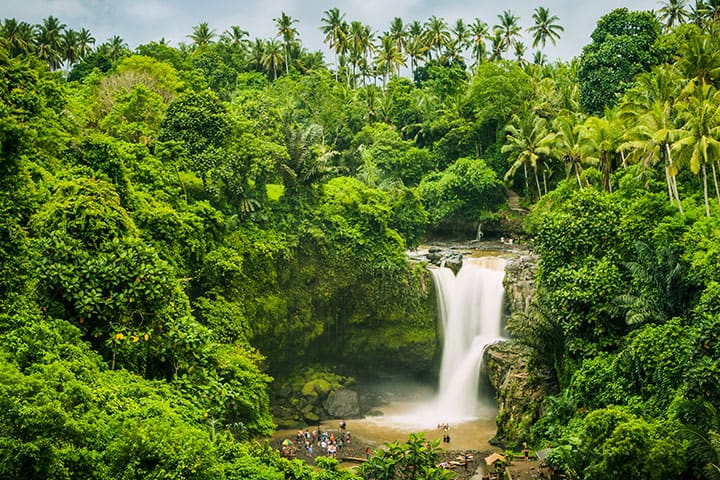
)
(143, 21)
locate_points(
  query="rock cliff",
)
(519, 391)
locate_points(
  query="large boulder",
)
(342, 403)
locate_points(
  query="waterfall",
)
(470, 309)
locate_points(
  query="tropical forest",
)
(204, 244)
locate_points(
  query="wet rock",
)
(342, 403)
(518, 393)
(442, 257)
(519, 282)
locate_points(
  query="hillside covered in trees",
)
(183, 228)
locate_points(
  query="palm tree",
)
(566, 144)
(520, 51)
(527, 142)
(600, 137)
(17, 37)
(416, 50)
(437, 34)
(202, 36)
(698, 13)
(257, 52)
(48, 46)
(389, 58)
(539, 58)
(479, 33)
(673, 12)
(415, 46)
(69, 47)
(651, 111)
(236, 37)
(308, 157)
(335, 34)
(272, 57)
(508, 29)
(462, 34)
(658, 275)
(361, 47)
(84, 42)
(698, 144)
(286, 30)
(545, 28)
(496, 46)
(116, 48)
(700, 59)
(398, 34)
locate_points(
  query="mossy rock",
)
(317, 388)
(311, 417)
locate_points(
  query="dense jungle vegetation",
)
(183, 227)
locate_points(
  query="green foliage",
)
(414, 459)
(617, 444)
(468, 190)
(584, 226)
(624, 44)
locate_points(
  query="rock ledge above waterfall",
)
(439, 256)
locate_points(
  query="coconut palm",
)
(308, 157)
(202, 36)
(48, 42)
(600, 138)
(257, 52)
(508, 28)
(539, 58)
(437, 34)
(700, 59)
(398, 33)
(85, 42)
(698, 13)
(461, 35)
(528, 143)
(116, 47)
(650, 109)
(545, 28)
(389, 58)
(566, 144)
(496, 46)
(520, 50)
(416, 50)
(288, 33)
(479, 33)
(17, 37)
(698, 144)
(673, 12)
(272, 57)
(236, 37)
(335, 34)
(69, 47)
(360, 47)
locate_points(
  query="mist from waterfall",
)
(470, 308)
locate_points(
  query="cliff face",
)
(519, 283)
(519, 392)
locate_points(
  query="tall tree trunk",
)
(537, 182)
(717, 191)
(705, 190)
(527, 184)
(287, 60)
(544, 180)
(577, 175)
(673, 180)
(669, 184)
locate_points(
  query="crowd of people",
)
(317, 442)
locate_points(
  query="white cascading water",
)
(470, 306)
